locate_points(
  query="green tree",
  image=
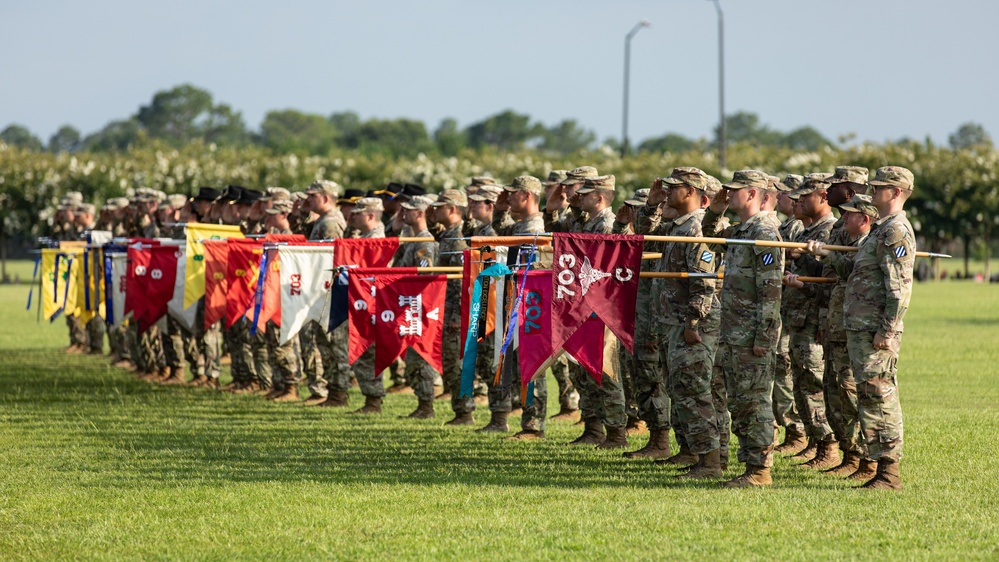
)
(291, 130)
(346, 125)
(116, 135)
(670, 142)
(399, 137)
(746, 127)
(567, 137)
(969, 135)
(178, 115)
(805, 138)
(66, 139)
(505, 131)
(449, 138)
(223, 125)
(20, 136)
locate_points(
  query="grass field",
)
(95, 464)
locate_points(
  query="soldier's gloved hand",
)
(791, 280)
(817, 248)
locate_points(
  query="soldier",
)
(91, 334)
(366, 217)
(168, 214)
(603, 405)
(805, 315)
(331, 391)
(419, 254)
(471, 223)
(785, 409)
(450, 208)
(624, 223)
(750, 312)
(876, 299)
(523, 195)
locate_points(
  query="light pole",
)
(721, 84)
(627, 69)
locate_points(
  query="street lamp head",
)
(645, 23)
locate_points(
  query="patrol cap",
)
(417, 203)
(811, 183)
(489, 193)
(772, 182)
(276, 194)
(894, 176)
(174, 201)
(556, 176)
(324, 187)
(861, 204)
(452, 197)
(639, 199)
(576, 175)
(714, 186)
(529, 184)
(74, 196)
(368, 205)
(602, 183)
(753, 179)
(351, 196)
(280, 207)
(478, 181)
(790, 183)
(849, 174)
(683, 175)
(87, 208)
(298, 196)
(116, 203)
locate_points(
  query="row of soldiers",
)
(818, 360)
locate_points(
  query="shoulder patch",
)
(767, 258)
(899, 252)
(707, 256)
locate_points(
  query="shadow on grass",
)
(134, 432)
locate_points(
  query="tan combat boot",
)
(887, 477)
(527, 435)
(636, 426)
(593, 433)
(289, 394)
(566, 413)
(424, 411)
(826, 456)
(793, 443)
(461, 419)
(808, 453)
(336, 399)
(682, 458)
(865, 471)
(176, 376)
(372, 405)
(708, 467)
(617, 438)
(850, 464)
(497, 423)
(754, 476)
(656, 448)
(314, 399)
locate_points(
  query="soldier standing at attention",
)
(877, 297)
(750, 312)
(366, 217)
(450, 209)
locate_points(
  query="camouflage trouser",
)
(501, 395)
(749, 383)
(719, 400)
(651, 390)
(421, 375)
(535, 413)
(841, 397)
(568, 397)
(336, 367)
(807, 367)
(195, 359)
(312, 337)
(95, 334)
(130, 341)
(211, 347)
(452, 372)
(626, 359)
(118, 341)
(397, 373)
(283, 358)
(255, 346)
(879, 410)
(242, 367)
(371, 383)
(785, 410)
(173, 344)
(151, 350)
(77, 331)
(604, 401)
(690, 375)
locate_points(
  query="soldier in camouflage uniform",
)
(785, 409)
(877, 296)
(168, 214)
(450, 208)
(481, 209)
(750, 312)
(419, 254)
(472, 224)
(523, 195)
(322, 197)
(805, 314)
(601, 404)
(366, 217)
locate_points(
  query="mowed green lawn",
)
(96, 464)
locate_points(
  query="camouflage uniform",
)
(484, 358)
(371, 383)
(876, 299)
(327, 367)
(804, 318)
(420, 374)
(451, 248)
(785, 409)
(750, 312)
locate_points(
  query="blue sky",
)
(880, 69)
